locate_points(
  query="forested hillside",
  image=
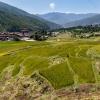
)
(14, 19)
(84, 22)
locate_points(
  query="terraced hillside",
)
(35, 70)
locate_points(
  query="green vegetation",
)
(41, 35)
(33, 64)
(83, 68)
(59, 75)
(84, 29)
(17, 65)
(13, 22)
(83, 52)
(13, 19)
(5, 61)
(62, 63)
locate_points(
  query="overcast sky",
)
(64, 6)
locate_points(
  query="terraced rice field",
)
(60, 64)
(58, 75)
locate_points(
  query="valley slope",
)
(14, 19)
(95, 20)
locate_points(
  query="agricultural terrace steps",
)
(67, 62)
(93, 67)
(75, 76)
(97, 71)
(94, 54)
(6, 73)
(29, 76)
(15, 51)
(25, 48)
(79, 56)
(53, 60)
(37, 73)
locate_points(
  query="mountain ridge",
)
(84, 22)
(63, 18)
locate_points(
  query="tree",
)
(16, 39)
(39, 35)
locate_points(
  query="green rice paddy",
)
(57, 62)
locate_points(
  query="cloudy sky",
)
(64, 6)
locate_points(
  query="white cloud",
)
(52, 5)
(68, 12)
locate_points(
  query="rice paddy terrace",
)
(29, 69)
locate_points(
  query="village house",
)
(7, 36)
(23, 35)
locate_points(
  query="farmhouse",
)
(23, 35)
(7, 36)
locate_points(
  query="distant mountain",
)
(14, 19)
(84, 22)
(58, 18)
(63, 18)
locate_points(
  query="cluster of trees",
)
(40, 35)
(81, 29)
(84, 29)
(16, 39)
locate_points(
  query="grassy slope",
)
(14, 19)
(49, 59)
